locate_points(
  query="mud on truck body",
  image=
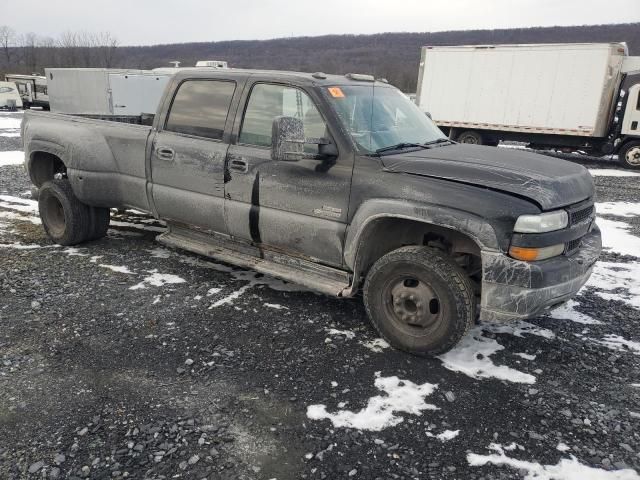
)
(338, 183)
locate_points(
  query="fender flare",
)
(475, 227)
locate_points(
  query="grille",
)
(581, 215)
(572, 246)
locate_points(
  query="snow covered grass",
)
(616, 237)
(399, 396)
(565, 469)
(472, 356)
(610, 172)
(11, 158)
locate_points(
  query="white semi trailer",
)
(571, 97)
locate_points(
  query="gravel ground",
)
(123, 359)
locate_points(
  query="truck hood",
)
(547, 181)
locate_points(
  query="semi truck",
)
(338, 183)
(574, 97)
(32, 89)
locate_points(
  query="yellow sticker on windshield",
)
(336, 92)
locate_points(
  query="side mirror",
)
(287, 139)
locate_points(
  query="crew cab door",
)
(188, 155)
(300, 207)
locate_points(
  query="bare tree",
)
(107, 45)
(7, 40)
(30, 51)
(68, 44)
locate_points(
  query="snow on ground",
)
(115, 268)
(399, 396)
(17, 216)
(610, 172)
(8, 123)
(565, 469)
(526, 356)
(11, 158)
(157, 280)
(377, 345)
(617, 281)
(345, 333)
(618, 209)
(617, 238)
(19, 204)
(518, 328)
(472, 356)
(567, 311)
(616, 342)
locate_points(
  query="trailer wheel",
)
(629, 155)
(65, 218)
(419, 300)
(471, 137)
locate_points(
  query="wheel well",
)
(44, 166)
(387, 234)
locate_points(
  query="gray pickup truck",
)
(337, 183)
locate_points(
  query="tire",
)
(629, 155)
(65, 218)
(471, 137)
(99, 219)
(443, 307)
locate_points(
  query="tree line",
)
(394, 56)
(31, 53)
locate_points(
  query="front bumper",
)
(513, 289)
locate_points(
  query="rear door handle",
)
(238, 164)
(165, 153)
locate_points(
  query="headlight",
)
(545, 222)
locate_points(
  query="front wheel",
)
(65, 218)
(629, 155)
(419, 300)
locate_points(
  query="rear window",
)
(200, 108)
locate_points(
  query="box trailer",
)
(105, 92)
(32, 89)
(574, 97)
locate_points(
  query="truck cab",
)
(338, 183)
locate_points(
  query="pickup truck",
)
(338, 183)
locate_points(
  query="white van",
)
(9, 96)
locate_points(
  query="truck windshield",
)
(381, 117)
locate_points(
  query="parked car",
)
(337, 183)
(574, 97)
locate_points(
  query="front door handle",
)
(238, 164)
(165, 153)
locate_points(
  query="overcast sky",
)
(147, 22)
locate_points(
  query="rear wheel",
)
(99, 219)
(419, 300)
(471, 137)
(65, 218)
(629, 155)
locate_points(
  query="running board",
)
(327, 280)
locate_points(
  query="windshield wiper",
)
(437, 140)
(400, 146)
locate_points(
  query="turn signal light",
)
(529, 254)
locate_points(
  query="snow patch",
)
(563, 447)
(616, 237)
(345, 333)
(21, 246)
(472, 356)
(526, 356)
(376, 345)
(565, 469)
(616, 342)
(518, 328)
(610, 172)
(157, 280)
(276, 306)
(11, 158)
(19, 217)
(618, 209)
(567, 311)
(115, 268)
(447, 435)
(18, 204)
(617, 281)
(159, 253)
(399, 396)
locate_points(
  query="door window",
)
(269, 101)
(200, 108)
